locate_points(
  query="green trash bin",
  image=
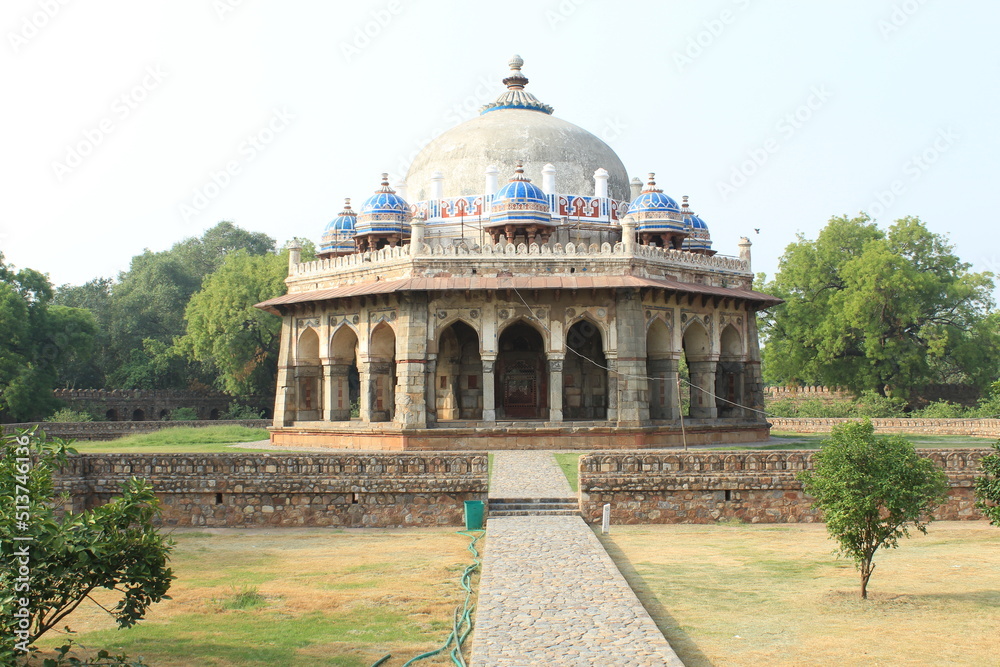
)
(474, 514)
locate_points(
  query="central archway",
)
(522, 376)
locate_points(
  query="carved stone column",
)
(663, 388)
(555, 388)
(430, 388)
(366, 390)
(703, 392)
(489, 390)
(612, 362)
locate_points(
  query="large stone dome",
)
(515, 129)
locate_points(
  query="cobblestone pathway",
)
(550, 595)
(527, 475)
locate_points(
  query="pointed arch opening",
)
(730, 374)
(345, 380)
(382, 373)
(585, 374)
(522, 374)
(697, 347)
(458, 381)
(661, 369)
(307, 376)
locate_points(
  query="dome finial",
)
(519, 173)
(385, 184)
(515, 80)
(347, 205)
(651, 184)
(684, 203)
(515, 97)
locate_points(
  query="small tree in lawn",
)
(988, 486)
(67, 556)
(871, 490)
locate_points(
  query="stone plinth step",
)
(533, 507)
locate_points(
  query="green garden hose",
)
(462, 623)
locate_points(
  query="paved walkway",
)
(550, 595)
(523, 474)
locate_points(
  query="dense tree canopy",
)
(870, 309)
(41, 342)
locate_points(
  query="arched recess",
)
(697, 348)
(661, 369)
(382, 373)
(730, 374)
(345, 381)
(458, 381)
(522, 377)
(307, 374)
(138, 415)
(585, 375)
(111, 415)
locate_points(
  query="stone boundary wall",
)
(114, 430)
(154, 404)
(753, 487)
(987, 428)
(254, 490)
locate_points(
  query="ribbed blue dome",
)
(698, 223)
(652, 200)
(343, 223)
(524, 191)
(520, 202)
(384, 212)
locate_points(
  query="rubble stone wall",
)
(987, 428)
(749, 486)
(254, 490)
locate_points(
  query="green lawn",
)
(570, 464)
(320, 597)
(179, 440)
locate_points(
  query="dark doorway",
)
(138, 416)
(522, 379)
(585, 375)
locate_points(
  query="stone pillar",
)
(745, 251)
(612, 362)
(492, 179)
(366, 390)
(628, 235)
(549, 179)
(326, 407)
(601, 182)
(663, 388)
(633, 390)
(555, 388)
(724, 371)
(284, 398)
(703, 392)
(635, 185)
(417, 227)
(430, 389)
(411, 362)
(489, 389)
(753, 384)
(339, 397)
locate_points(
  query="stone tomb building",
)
(518, 291)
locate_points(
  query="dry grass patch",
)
(326, 597)
(776, 595)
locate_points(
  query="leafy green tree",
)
(871, 490)
(94, 296)
(868, 309)
(226, 332)
(988, 486)
(69, 555)
(40, 341)
(149, 301)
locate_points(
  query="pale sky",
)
(771, 114)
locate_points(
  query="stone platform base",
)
(538, 435)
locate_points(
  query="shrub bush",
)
(183, 414)
(69, 415)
